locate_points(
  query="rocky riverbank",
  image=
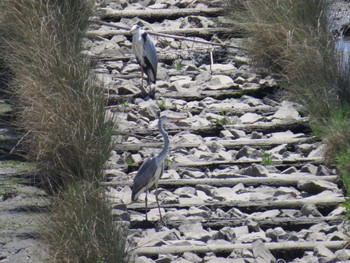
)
(245, 180)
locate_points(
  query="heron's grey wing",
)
(144, 178)
(151, 54)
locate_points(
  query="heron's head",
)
(134, 28)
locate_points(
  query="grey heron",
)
(145, 53)
(151, 169)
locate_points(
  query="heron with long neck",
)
(151, 170)
(145, 53)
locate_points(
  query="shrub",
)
(81, 228)
(62, 108)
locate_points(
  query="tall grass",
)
(62, 106)
(289, 38)
(68, 134)
(81, 228)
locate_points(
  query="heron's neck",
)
(165, 150)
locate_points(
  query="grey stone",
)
(250, 117)
(191, 257)
(257, 135)
(238, 133)
(342, 255)
(143, 259)
(159, 238)
(165, 259)
(280, 149)
(290, 170)
(248, 152)
(195, 211)
(266, 215)
(323, 170)
(226, 134)
(286, 111)
(310, 210)
(322, 251)
(318, 152)
(251, 237)
(256, 170)
(276, 234)
(186, 191)
(253, 226)
(316, 186)
(261, 253)
(309, 168)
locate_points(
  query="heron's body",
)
(145, 52)
(151, 170)
(147, 176)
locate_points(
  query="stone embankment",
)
(245, 179)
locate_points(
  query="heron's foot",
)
(161, 223)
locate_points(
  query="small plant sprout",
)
(130, 161)
(178, 65)
(222, 112)
(126, 103)
(266, 158)
(167, 162)
(161, 104)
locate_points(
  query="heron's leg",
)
(160, 214)
(142, 78)
(142, 88)
(146, 205)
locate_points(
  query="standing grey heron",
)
(151, 169)
(145, 53)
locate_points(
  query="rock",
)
(165, 259)
(280, 149)
(283, 135)
(191, 257)
(195, 211)
(286, 111)
(238, 133)
(256, 170)
(153, 214)
(262, 254)
(310, 210)
(309, 168)
(218, 69)
(257, 135)
(251, 237)
(202, 78)
(218, 82)
(159, 238)
(316, 186)
(323, 170)
(323, 252)
(143, 259)
(253, 226)
(194, 231)
(342, 255)
(248, 152)
(290, 170)
(337, 212)
(178, 215)
(318, 152)
(226, 134)
(266, 215)
(186, 191)
(250, 117)
(277, 234)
